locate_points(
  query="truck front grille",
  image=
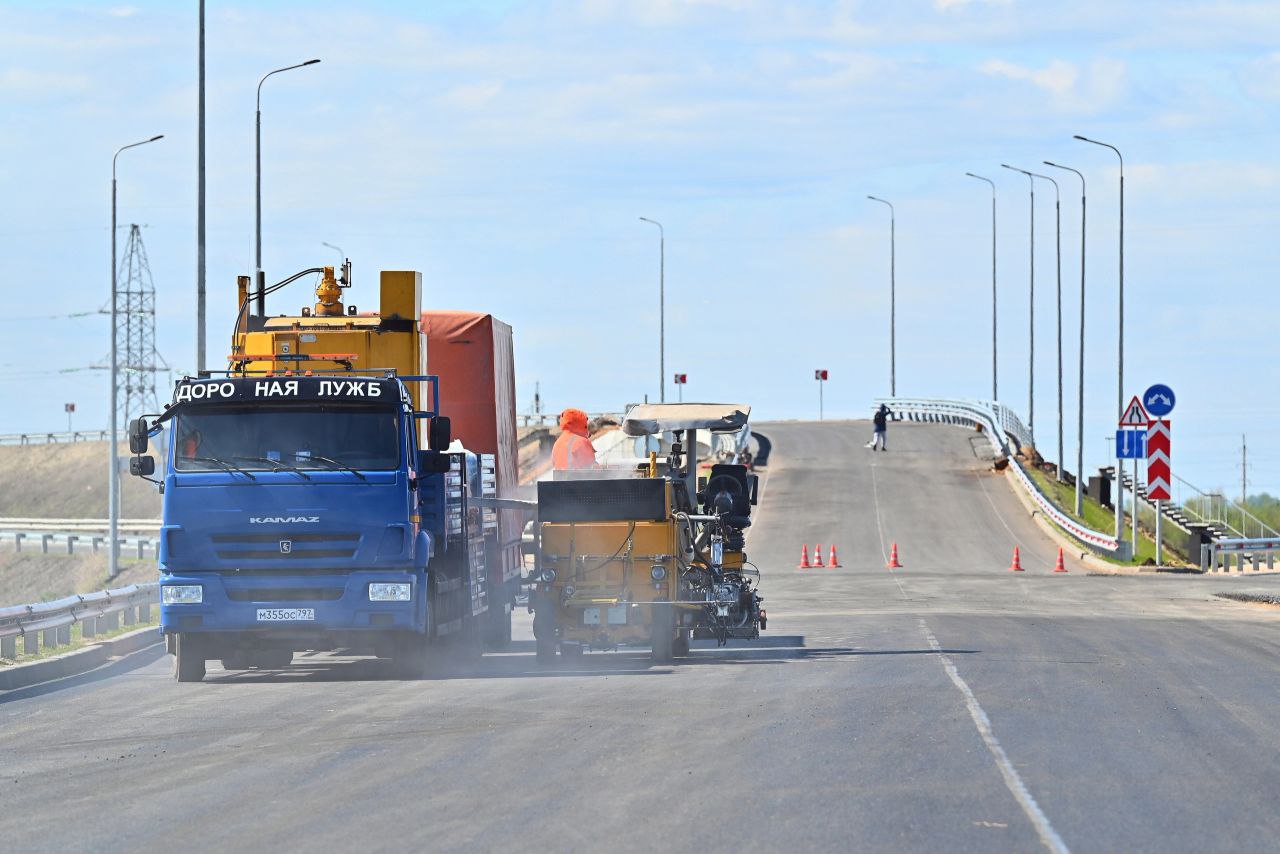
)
(300, 546)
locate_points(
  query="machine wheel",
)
(546, 650)
(188, 660)
(663, 633)
(680, 648)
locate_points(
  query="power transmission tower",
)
(136, 331)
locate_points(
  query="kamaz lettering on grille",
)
(283, 520)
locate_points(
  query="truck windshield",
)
(323, 436)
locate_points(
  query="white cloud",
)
(1101, 84)
(474, 96)
(123, 11)
(946, 5)
(1261, 78)
(42, 84)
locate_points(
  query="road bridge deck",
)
(946, 705)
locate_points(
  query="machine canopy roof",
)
(648, 418)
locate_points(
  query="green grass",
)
(78, 640)
(1098, 518)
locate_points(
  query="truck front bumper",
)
(295, 605)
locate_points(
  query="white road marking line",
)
(875, 493)
(1012, 780)
(1025, 547)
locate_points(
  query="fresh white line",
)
(875, 493)
(1012, 780)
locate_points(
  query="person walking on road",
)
(573, 448)
(880, 422)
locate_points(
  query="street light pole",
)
(1080, 390)
(995, 393)
(1119, 345)
(1057, 210)
(1031, 363)
(259, 282)
(893, 308)
(662, 309)
(113, 478)
(200, 209)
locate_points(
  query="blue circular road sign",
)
(1158, 400)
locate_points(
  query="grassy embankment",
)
(1099, 518)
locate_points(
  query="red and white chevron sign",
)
(1159, 472)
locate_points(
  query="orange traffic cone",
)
(804, 558)
(835, 561)
(817, 556)
(1059, 566)
(1016, 566)
(893, 558)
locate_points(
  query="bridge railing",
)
(48, 624)
(53, 437)
(1006, 432)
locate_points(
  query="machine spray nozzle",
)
(329, 292)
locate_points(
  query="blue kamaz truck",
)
(310, 504)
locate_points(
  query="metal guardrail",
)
(48, 624)
(65, 536)
(1005, 431)
(53, 437)
(1216, 556)
(552, 419)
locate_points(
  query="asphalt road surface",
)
(948, 705)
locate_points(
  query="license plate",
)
(590, 616)
(285, 615)
(617, 616)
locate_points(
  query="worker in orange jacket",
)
(573, 448)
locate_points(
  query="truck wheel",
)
(680, 648)
(662, 633)
(571, 651)
(237, 661)
(498, 628)
(188, 660)
(412, 658)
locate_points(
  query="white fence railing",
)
(1006, 432)
(48, 624)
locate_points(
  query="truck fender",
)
(422, 550)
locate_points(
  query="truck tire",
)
(662, 633)
(412, 657)
(571, 651)
(272, 659)
(545, 650)
(498, 628)
(188, 660)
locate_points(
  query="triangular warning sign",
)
(1134, 415)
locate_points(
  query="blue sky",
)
(507, 149)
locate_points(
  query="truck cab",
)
(311, 504)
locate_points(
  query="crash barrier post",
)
(1216, 557)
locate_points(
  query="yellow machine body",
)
(330, 340)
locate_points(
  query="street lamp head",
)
(1082, 138)
(311, 62)
(157, 136)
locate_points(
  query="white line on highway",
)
(1012, 780)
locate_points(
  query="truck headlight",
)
(548, 575)
(382, 591)
(658, 572)
(181, 594)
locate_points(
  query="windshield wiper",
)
(279, 466)
(338, 464)
(226, 465)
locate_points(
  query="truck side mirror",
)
(142, 466)
(440, 434)
(138, 436)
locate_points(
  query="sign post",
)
(821, 376)
(1134, 417)
(1159, 400)
(681, 380)
(70, 409)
